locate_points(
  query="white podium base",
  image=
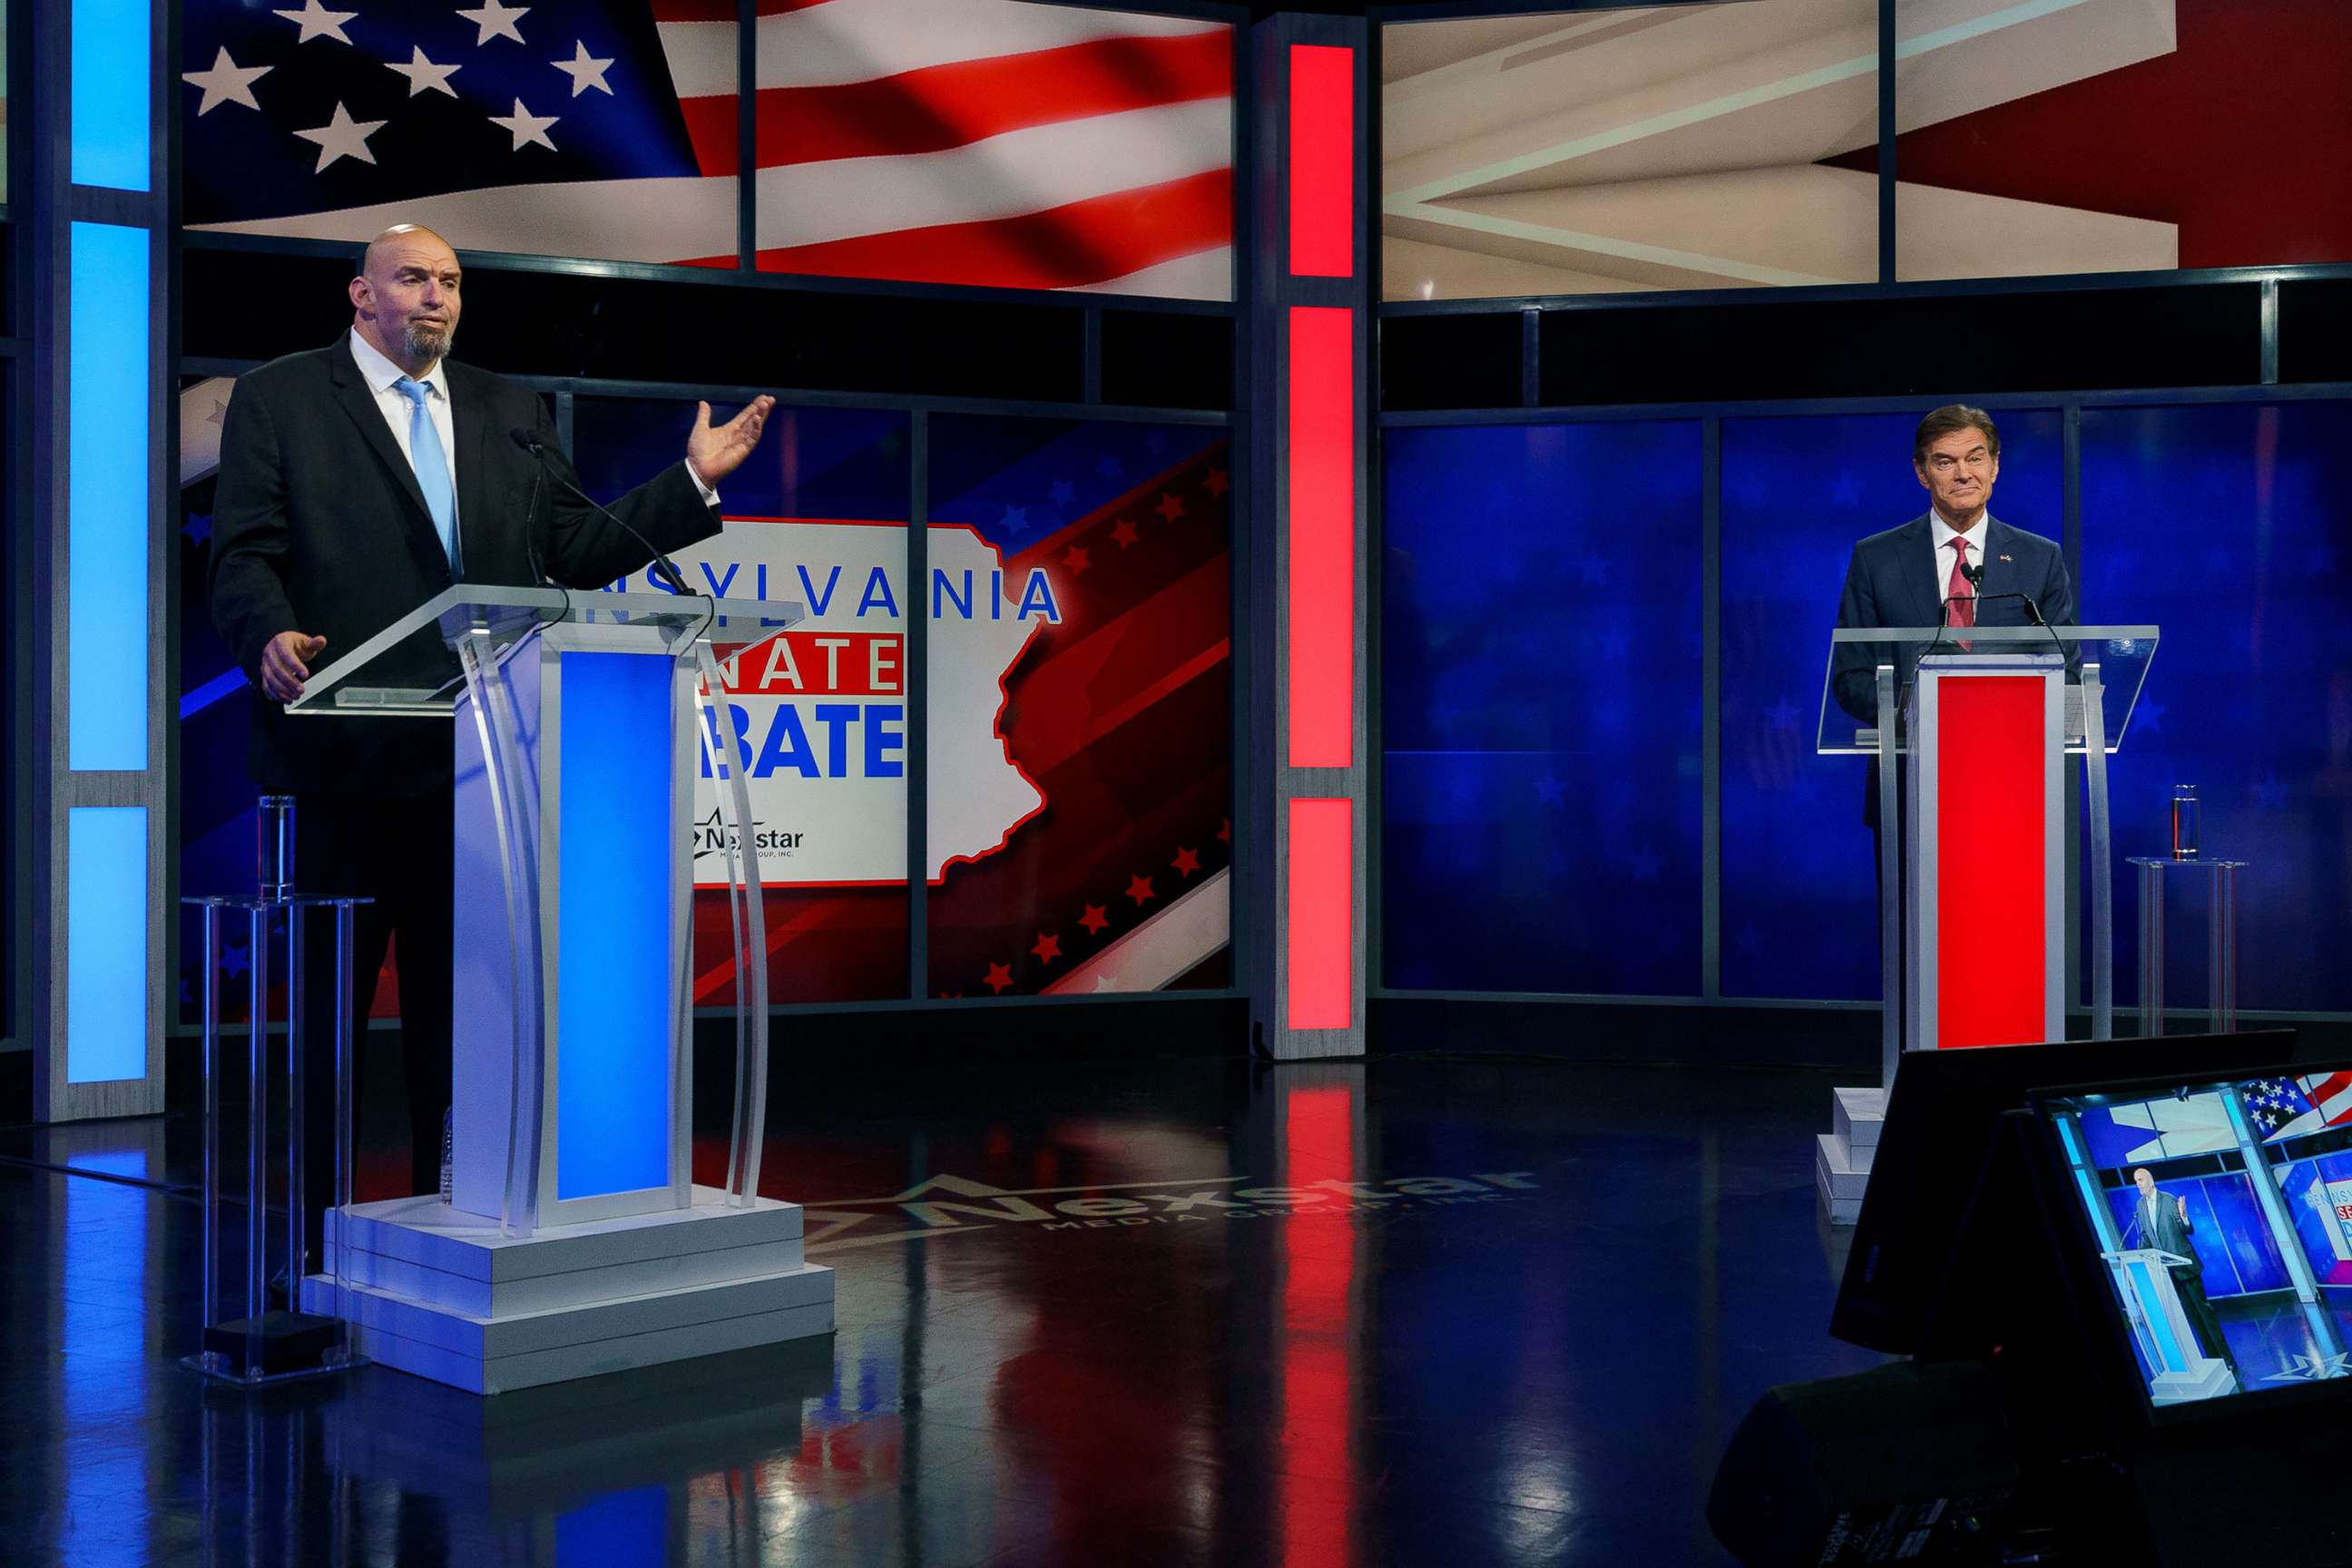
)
(1842, 1156)
(2210, 1379)
(442, 1294)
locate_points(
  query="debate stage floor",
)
(1426, 1310)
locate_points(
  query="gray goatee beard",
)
(427, 342)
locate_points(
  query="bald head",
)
(406, 301)
(399, 236)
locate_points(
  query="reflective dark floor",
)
(1426, 1310)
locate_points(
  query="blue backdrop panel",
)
(1540, 704)
(2230, 528)
(811, 462)
(2234, 1240)
(1800, 908)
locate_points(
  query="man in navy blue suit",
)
(1955, 565)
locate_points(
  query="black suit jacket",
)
(1891, 581)
(318, 527)
(2170, 1232)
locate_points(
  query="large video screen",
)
(1081, 670)
(1078, 743)
(2119, 135)
(2221, 1213)
(1609, 151)
(817, 516)
(1738, 146)
(977, 142)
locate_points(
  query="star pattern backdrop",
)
(990, 142)
(320, 110)
(1799, 906)
(1540, 702)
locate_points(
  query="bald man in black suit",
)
(357, 481)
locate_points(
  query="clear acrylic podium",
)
(1985, 715)
(575, 1241)
(2180, 1370)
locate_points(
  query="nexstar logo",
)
(1192, 1201)
(712, 837)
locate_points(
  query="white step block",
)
(1836, 1165)
(1860, 1112)
(1840, 1176)
(423, 1250)
(490, 1355)
(446, 1295)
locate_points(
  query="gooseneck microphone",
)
(668, 573)
(1976, 574)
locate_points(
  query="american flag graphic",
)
(2292, 1106)
(979, 141)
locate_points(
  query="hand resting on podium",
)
(286, 662)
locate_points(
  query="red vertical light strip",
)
(1322, 590)
(1317, 1333)
(1321, 881)
(1993, 741)
(1322, 160)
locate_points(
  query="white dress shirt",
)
(381, 374)
(1945, 533)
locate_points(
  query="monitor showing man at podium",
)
(357, 481)
(2213, 1212)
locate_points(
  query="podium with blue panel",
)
(575, 1241)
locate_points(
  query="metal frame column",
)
(1311, 331)
(99, 199)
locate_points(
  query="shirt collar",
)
(1945, 533)
(380, 373)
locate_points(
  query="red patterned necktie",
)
(1960, 590)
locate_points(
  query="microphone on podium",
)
(669, 573)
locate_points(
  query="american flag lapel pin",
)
(2002, 557)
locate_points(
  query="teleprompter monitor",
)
(2202, 1223)
(1940, 1118)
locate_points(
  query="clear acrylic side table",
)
(243, 1351)
(2220, 938)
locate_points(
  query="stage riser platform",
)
(442, 1294)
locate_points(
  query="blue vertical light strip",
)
(111, 144)
(615, 985)
(106, 526)
(2160, 1324)
(106, 943)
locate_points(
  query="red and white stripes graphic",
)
(980, 142)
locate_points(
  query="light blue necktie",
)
(432, 466)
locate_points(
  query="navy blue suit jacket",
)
(1893, 582)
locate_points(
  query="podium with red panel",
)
(1974, 726)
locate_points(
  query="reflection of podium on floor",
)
(2182, 1371)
